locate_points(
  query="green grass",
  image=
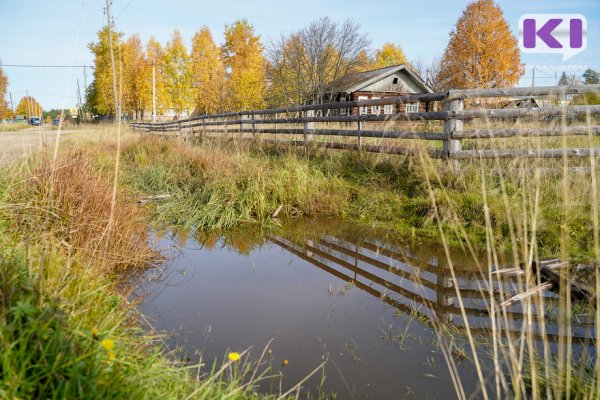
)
(222, 185)
(67, 326)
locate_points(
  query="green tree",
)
(100, 98)
(564, 80)
(482, 51)
(389, 54)
(208, 73)
(29, 107)
(177, 74)
(242, 55)
(590, 77)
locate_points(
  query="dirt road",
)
(14, 145)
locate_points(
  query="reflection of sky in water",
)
(218, 300)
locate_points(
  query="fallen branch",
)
(157, 197)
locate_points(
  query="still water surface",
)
(361, 299)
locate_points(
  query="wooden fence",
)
(422, 285)
(302, 120)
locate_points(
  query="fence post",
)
(308, 126)
(243, 125)
(253, 127)
(451, 126)
(359, 129)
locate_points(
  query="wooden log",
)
(451, 126)
(523, 91)
(552, 270)
(522, 112)
(532, 153)
(527, 132)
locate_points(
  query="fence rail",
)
(351, 118)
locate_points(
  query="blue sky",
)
(57, 32)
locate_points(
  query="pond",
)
(375, 307)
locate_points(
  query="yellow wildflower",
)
(233, 356)
(285, 362)
(94, 333)
(108, 344)
(111, 355)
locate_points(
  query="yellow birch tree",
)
(208, 73)
(482, 51)
(155, 53)
(389, 54)
(100, 98)
(177, 74)
(242, 55)
(29, 107)
(5, 111)
(137, 78)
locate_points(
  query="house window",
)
(395, 81)
(412, 107)
(362, 110)
(388, 109)
(375, 109)
(343, 111)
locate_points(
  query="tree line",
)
(244, 72)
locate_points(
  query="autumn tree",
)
(5, 111)
(137, 78)
(155, 54)
(99, 96)
(29, 106)
(389, 54)
(482, 51)
(177, 74)
(242, 54)
(208, 73)
(307, 64)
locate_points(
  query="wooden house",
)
(396, 80)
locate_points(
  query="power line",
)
(123, 10)
(45, 66)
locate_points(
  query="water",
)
(360, 299)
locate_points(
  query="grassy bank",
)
(220, 185)
(67, 326)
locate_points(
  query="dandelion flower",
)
(233, 356)
(111, 355)
(95, 333)
(108, 344)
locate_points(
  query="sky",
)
(42, 32)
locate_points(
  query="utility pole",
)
(28, 103)
(12, 106)
(112, 61)
(84, 77)
(153, 90)
(79, 105)
(533, 78)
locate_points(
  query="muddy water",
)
(365, 301)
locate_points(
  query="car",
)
(55, 122)
(35, 121)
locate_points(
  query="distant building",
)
(380, 83)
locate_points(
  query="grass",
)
(66, 241)
(67, 326)
(220, 185)
(12, 127)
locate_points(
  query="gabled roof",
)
(355, 82)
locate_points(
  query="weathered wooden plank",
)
(531, 153)
(522, 112)
(349, 133)
(364, 147)
(522, 91)
(527, 132)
